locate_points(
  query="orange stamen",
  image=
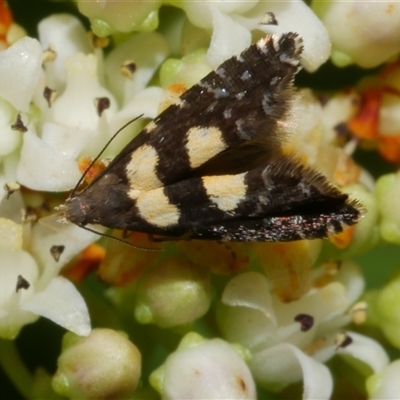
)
(89, 260)
(6, 19)
(95, 169)
(365, 124)
(389, 148)
(343, 239)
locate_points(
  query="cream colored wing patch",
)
(225, 191)
(155, 208)
(203, 143)
(141, 169)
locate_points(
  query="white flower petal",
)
(352, 282)
(10, 234)
(75, 107)
(61, 302)
(135, 49)
(366, 350)
(41, 167)
(66, 35)
(320, 304)
(145, 102)
(10, 163)
(283, 364)
(248, 327)
(256, 319)
(14, 263)
(228, 38)
(210, 370)
(11, 208)
(351, 277)
(20, 67)
(385, 385)
(9, 139)
(66, 140)
(251, 290)
(294, 16)
(199, 14)
(46, 235)
(363, 32)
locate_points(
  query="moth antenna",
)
(118, 239)
(101, 152)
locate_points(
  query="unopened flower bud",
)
(104, 365)
(204, 369)
(175, 292)
(387, 192)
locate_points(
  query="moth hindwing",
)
(211, 166)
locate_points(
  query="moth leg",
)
(163, 239)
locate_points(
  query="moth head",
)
(99, 203)
(74, 211)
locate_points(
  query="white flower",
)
(385, 384)
(232, 23)
(70, 125)
(290, 341)
(20, 67)
(30, 285)
(57, 132)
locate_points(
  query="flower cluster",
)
(204, 319)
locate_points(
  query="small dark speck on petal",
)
(18, 125)
(22, 283)
(242, 384)
(56, 251)
(306, 321)
(101, 104)
(10, 188)
(50, 95)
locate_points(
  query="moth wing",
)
(282, 201)
(243, 101)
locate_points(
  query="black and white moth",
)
(211, 166)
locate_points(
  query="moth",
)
(211, 166)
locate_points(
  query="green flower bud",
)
(175, 292)
(387, 193)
